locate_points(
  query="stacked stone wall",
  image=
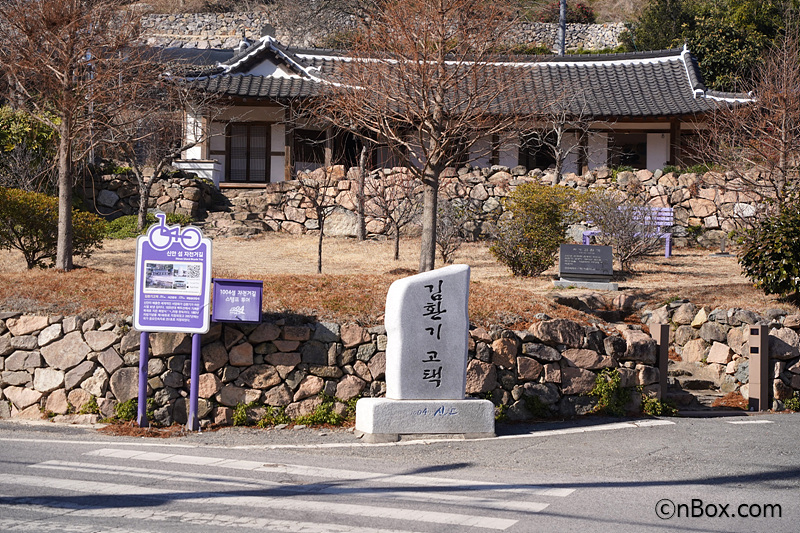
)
(52, 365)
(225, 31)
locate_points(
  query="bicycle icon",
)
(162, 236)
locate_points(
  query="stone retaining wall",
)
(59, 365)
(225, 30)
(707, 206)
(713, 347)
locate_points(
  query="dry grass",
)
(357, 276)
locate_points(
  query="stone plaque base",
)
(595, 285)
(384, 420)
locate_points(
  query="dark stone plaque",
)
(583, 262)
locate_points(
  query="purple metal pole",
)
(144, 345)
(192, 424)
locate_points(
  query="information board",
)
(173, 279)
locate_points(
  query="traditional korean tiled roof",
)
(634, 85)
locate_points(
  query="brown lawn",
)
(357, 276)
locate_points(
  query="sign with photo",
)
(173, 279)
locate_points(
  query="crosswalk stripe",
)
(49, 506)
(332, 473)
(299, 505)
(241, 483)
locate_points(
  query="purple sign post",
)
(173, 293)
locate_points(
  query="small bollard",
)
(660, 334)
(758, 350)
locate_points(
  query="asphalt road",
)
(595, 474)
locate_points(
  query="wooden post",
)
(758, 351)
(675, 142)
(288, 144)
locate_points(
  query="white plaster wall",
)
(657, 150)
(480, 153)
(570, 142)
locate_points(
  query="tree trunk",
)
(361, 230)
(321, 219)
(65, 233)
(396, 242)
(430, 194)
(144, 195)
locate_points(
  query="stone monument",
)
(586, 266)
(427, 328)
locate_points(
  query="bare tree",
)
(425, 81)
(394, 199)
(157, 120)
(564, 115)
(320, 190)
(758, 142)
(60, 59)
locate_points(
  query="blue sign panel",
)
(173, 279)
(237, 300)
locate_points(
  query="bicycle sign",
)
(173, 279)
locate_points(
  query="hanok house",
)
(642, 110)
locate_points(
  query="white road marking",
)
(244, 484)
(49, 506)
(299, 505)
(332, 473)
(750, 421)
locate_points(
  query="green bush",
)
(127, 411)
(125, 227)
(325, 414)
(770, 252)
(655, 407)
(29, 223)
(273, 417)
(611, 396)
(528, 241)
(793, 403)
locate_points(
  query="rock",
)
(327, 332)
(353, 335)
(130, 342)
(76, 376)
(241, 354)
(552, 372)
(588, 359)
(546, 392)
(111, 360)
(283, 362)
(505, 352)
(684, 314)
(49, 334)
(377, 365)
(781, 391)
(528, 369)
(265, 332)
(647, 375)
(315, 353)
(558, 331)
(481, 377)
(719, 353)
(640, 347)
(125, 384)
(659, 316)
(303, 408)
(260, 377)
(5, 346)
(172, 379)
(22, 360)
(231, 396)
(570, 406)
(167, 343)
(296, 333)
(791, 321)
(576, 381)
(541, 352)
(26, 324)
(694, 351)
(57, 402)
(208, 385)
(700, 318)
(783, 344)
(22, 397)
(309, 386)
(214, 356)
(350, 387)
(745, 316)
(615, 346)
(66, 353)
(100, 340)
(31, 413)
(711, 332)
(737, 339)
(15, 378)
(684, 334)
(77, 398)
(25, 342)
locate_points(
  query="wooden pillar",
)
(675, 142)
(328, 147)
(288, 145)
